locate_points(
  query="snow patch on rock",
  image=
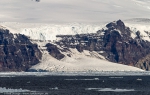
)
(143, 29)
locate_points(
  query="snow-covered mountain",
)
(80, 47)
(56, 35)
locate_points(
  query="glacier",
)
(48, 32)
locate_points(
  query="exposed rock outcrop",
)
(54, 51)
(17, 53)
(120, 46)
(144, 63)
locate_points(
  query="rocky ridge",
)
(17, 53)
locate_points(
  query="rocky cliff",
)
(17, 53)
(121, 47)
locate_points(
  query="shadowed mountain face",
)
(121, 47)
(17, 53)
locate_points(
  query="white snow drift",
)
(84, 62)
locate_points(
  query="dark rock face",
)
(54, 51)
(17, 53)
(115, 44)
(144, 63)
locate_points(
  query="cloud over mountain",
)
(66, 11)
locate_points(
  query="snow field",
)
(80, 62)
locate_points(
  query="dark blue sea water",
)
(75, 85)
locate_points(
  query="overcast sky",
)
(69, 11)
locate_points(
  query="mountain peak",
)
(116, 25)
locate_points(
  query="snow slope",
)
(68, 11)
(83, 62)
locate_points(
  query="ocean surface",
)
(75, 85)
